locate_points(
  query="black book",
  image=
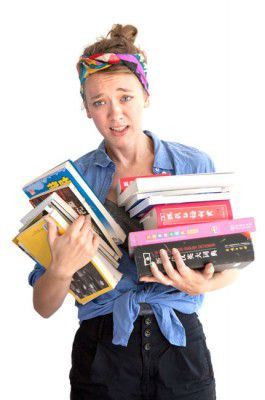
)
(224, 252)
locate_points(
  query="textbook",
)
(65, 173)
(147, 204)
(97, 277)
(77, 202)
(162, 216)
(224, 252)
(186, 181)
(174, 234)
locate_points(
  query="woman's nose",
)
(115, 109)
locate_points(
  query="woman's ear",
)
(146, 102)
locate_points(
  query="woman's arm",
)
(189, 280)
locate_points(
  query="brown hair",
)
(121, 40)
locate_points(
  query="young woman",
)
(142, 340)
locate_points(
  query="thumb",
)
(208, 271)
(52, 230)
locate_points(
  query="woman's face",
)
(115, 101)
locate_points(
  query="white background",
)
(206, 74)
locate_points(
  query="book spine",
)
(226, 251)
(187, 232)
(189, 213)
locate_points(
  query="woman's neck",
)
(138, 151)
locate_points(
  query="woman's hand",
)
(72, 250)
(183, 278)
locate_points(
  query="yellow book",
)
(94, 279)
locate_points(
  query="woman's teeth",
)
(119, 129)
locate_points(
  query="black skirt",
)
(149, 368)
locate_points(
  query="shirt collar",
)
(161, 160)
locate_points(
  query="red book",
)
(162, 216)
(125, 182)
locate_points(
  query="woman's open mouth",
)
(119, 131)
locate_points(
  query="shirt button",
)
(148, 321)
(147, 333)
(147, 346)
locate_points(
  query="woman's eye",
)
(98, 103)
(127, 98)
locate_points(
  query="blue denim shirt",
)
(123, 301)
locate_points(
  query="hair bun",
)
(128, 32)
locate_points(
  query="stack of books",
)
(190, 212)
(63, 194)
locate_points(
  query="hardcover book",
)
(125, 182)
(147, 204)
(224, 252)
(187, 181)
(162, 216)
(175, 234)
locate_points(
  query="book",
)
(77, 202)
(97, 277)
(147, 204)
(136, 199)
(173, 182)
(162, 216)
(224, 252)
(63, 174)
(54, 200)
(174, 234)
(126, 181)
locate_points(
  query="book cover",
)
(173, 182)
(175, 234)
(162, 216)
(125, 182)
(141, 209)
(76, 201)
(62, 175)
(224, 252)
(100, 275)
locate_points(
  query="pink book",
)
(165, 215)
(192, 231)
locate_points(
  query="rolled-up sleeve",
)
(35, 274)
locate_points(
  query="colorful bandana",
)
(88, 65)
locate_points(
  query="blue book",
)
(64, 174)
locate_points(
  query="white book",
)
(146, 204)
(173, 182)
(141, 196)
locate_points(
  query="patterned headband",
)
(88, 65)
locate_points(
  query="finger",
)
(52, 229)
(87, 225)
(75, 227)
(168, 267)
(183, 269)
(208, 271)
(159, 275)
(96, 241)
(148, 279)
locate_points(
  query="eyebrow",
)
(102, 94)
